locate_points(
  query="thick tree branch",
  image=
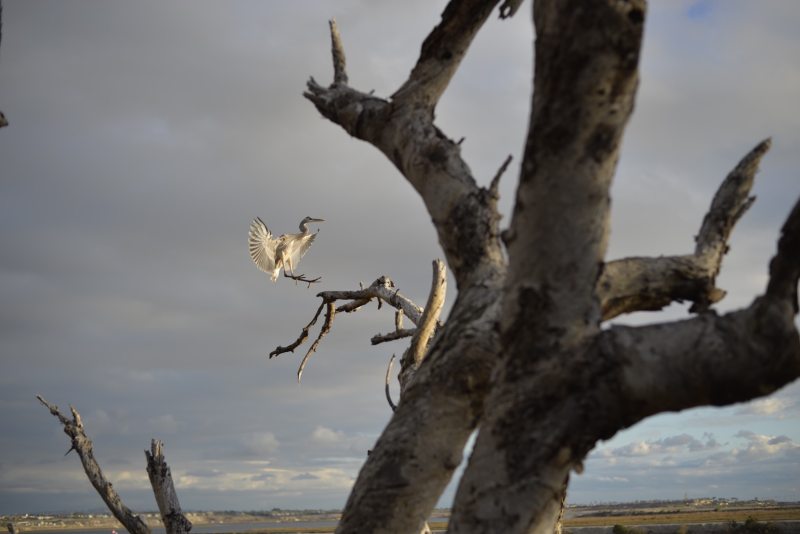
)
(649, 284)
(584, 89)
(422, 445)
(638, 284)
(711, 359)
(784, 269)
(464, 214)
(442, 52)
(708, 359)
(175, 522)
(83, 446)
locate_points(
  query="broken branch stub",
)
(175, 522)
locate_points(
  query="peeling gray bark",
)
(12, 528)
(522, 352)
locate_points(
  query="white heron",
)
(271, 254)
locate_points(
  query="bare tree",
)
(522, 356)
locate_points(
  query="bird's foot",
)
(302, 278)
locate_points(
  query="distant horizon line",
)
(106, 512)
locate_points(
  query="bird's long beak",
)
(317, 220)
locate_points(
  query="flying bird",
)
(271, 254)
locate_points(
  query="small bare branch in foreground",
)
(392, 405)
(330, 313)
(83, 446)
(382, 290)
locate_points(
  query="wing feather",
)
(262, 247)
(300, 247)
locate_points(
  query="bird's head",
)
(304, 222)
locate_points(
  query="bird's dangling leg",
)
(302, 278)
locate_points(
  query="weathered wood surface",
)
(82, 445)
(560, 381)
(175, 522)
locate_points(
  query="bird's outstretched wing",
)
(305, 245)
(262, 247)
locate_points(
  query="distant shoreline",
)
(578, 519)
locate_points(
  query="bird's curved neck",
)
(304, 228)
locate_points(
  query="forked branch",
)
(83, 446)
(381, 290)
(713, 359)
(640, 283)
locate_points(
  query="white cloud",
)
(772, 406)
(327, 436)
(260, 443)
(671, 444)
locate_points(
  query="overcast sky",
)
(144, 137)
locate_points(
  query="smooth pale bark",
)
(584, 90)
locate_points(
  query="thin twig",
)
(392, 336)
(330, 313)
(388, 394)
(301, 338)
(496, 180)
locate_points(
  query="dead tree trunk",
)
(83, 446)
(12, 528)
(559, 382)
(175, 522)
